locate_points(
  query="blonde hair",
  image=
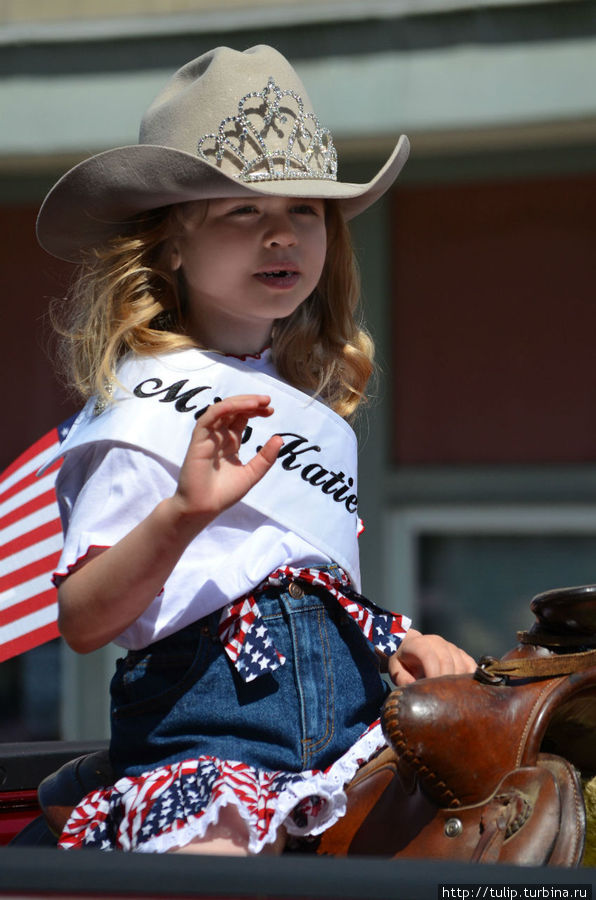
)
(125, 297)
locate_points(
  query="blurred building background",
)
(478, 454)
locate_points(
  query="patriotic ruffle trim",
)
(168, 807)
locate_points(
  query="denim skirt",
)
(182, 697)
(190, 736)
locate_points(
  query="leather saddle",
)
(478, 768)
(487, 767)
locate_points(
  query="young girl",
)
(208, 490)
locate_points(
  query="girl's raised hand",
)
(111, 587)
(212, 477)
(427, 656)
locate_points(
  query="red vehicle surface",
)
(22, 768)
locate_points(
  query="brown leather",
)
(567, 611)
(533, 817)
(539, 637)
(526, 667)
(374, 794)
(470, 778)
(436, 723)
(570, 844)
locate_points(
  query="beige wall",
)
(18, 11)
(42, 10)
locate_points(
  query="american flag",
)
(30, 546)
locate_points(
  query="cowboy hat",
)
(227, 124)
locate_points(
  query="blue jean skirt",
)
(190, 736)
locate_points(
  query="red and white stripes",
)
(30, 546)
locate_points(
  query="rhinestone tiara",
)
(272, 140)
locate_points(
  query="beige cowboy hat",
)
(227, 124)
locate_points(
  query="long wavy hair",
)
(124, 297)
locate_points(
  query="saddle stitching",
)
(549, 687)
(428, 777)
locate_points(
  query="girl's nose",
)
(280, 232)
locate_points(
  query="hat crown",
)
(247, 113)
(227, 124)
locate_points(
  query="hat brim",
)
(95, 199)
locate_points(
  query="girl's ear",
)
(175, 258)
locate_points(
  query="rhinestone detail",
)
(308, 151)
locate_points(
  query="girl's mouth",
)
(284, 278)
(278, 273)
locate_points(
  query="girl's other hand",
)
(427, 656)
(212, 477)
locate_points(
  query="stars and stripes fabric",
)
(384, 630)
(171, 805)
(30, 546)
(247, 642)
(161, 798)
(246, 639)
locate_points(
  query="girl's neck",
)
(232, 341)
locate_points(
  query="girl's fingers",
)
(400, 675)
(260, 464)
(248, 405)
(449, 659)
(467, 662)
(270, 450)
(223, 423)
(428, 656)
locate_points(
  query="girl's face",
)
(246, 263)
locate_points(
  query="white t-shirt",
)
(105, 489)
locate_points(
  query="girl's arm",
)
(426, 656)
(111, 588)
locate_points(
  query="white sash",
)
(312, 488)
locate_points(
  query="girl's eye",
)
(306, 209)
(242, 210)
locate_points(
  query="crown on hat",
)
(253, 139)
